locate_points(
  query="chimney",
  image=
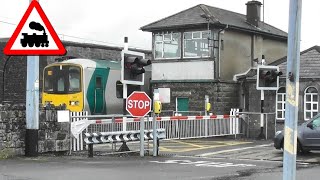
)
(253, 12)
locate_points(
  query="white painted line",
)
(203, 163)
(232, 150)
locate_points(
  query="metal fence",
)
(177, 127)
(181, 113)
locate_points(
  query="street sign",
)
(138, 104)
(34, 35)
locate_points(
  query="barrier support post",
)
(155, 138)
(90, 151)
(141, 136)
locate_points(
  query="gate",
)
(176, 127)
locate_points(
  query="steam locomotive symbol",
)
(34, 39)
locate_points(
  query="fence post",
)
(231, 121)
(236, 113)
(124, 124)
(112, 129)
(206, 127)
(155, 137)
(266, 126)
(141, 136)
(90, 151)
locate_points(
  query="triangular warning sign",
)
(34, 35)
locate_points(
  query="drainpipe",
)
(252, 51)
(221, 31)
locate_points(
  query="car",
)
(308, 136)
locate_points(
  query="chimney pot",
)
(253, 12)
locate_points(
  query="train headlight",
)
(74, 103)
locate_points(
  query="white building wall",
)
(183, 70)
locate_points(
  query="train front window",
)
(62, 79)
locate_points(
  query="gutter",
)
(249, 73)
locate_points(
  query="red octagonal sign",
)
(138, 104)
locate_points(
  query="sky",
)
(109, 21)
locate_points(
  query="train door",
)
(98, 95)
(96, 91)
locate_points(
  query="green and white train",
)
(85, 85)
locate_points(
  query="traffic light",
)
(268, 77)
(132, 67)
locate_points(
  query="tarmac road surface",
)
(212, 159)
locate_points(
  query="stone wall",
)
(253, 97)
(12, 129)
(53, 136)
(222, 95)
(253, 106)
(269, 107)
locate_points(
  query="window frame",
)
(163, 42)
(312, 110)
(283, 103)
(192, 32)
(64, 72)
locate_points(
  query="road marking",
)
(179, 146)
(193, 149)
(232, 150)
(203, 163)
(190, 144)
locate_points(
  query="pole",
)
(124, 146)
(154, 134)
(141, 136)
(261, 135)
(292, 91)
(32, 106)
(156, 97)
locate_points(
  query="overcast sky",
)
(108, 21)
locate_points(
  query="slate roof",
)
(192, 18)
(309, 63)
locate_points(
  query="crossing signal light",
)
(268, 77)
(132, 67)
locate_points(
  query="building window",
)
(310, 103)
(281, 103)
(196, 44)
(167, 46)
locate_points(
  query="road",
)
(214, 159)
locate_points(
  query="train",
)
(87, 85)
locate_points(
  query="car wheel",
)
(301, 150)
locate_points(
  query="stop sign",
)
(138, 104)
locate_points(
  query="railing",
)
(181, 113)
(249, 117)
(177, 127)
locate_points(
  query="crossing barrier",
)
(77, 139)
(177, 127)
(122, 136)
